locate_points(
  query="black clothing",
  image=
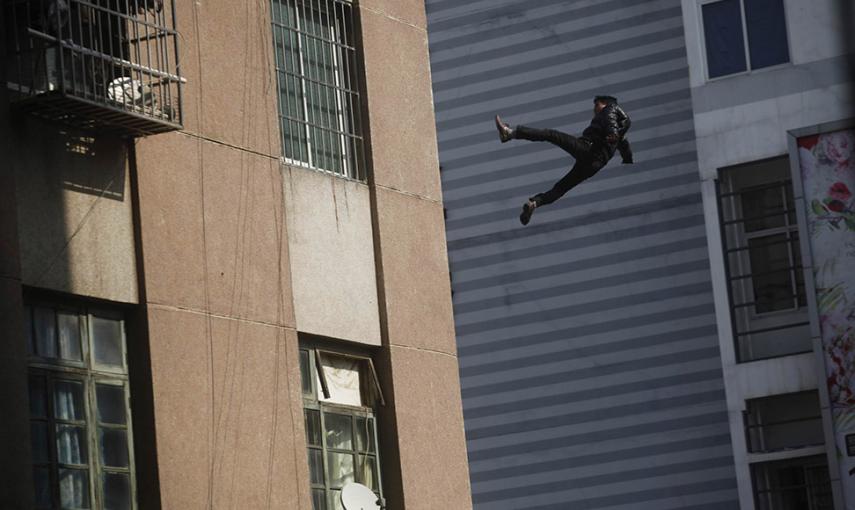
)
(592, 151)
(590, 158)
(611, 120)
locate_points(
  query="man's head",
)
(601, 102)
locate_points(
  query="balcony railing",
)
(106, 65)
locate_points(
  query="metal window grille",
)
(95, 64)
(319, 98)
(80, 417)
(801, 483)
(763, 260)
(782, 422)
(341, 439)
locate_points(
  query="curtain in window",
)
(767, 33)
(343, 380)
(723, 36)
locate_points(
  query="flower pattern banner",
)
(827, 164)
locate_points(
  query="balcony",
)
(99, 65)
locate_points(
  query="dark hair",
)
(605, 99)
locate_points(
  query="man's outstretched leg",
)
(569, 143)
(582, 170)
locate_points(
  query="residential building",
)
(222, 257)
(658, 338)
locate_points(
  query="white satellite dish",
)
(355, 496)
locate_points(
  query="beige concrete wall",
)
(332, 256)
(420, 359)
(228, 435)
(16, 487)
(75, 226)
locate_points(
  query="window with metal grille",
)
(783, 422)
(340, 392)
(793, 484)
(80, 418)
(319, 100)
(763, 260)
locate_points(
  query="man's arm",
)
(615, 122)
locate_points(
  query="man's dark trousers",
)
(590, 158)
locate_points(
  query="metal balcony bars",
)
(96, 63)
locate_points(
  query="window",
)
(763, 260)
(792, 484)
(783, 422)
(316, 67)
(80, 420)
(339, 393)
(728, 24)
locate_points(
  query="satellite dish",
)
(355, 496)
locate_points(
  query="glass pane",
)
(114, 447)
(313, 427)
(316, 466)
(69, 336)
(335, 500)
(71, 444)
(111, 404)
(338, 431)
(117, 491)
(73, 488)
(41, 480)
(767, 33)
(783, 422)
(365, 434)
(339, 469)
(723, 36)
(68, 401)
(107, 341)
(770, 263)
(28, 326)
(305, 373)
(39, 441)
(763, 208)
(45, 322)
(367, 469)
(38, 397)
(319, 499)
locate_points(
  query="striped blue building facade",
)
(588, 348)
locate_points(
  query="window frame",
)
(346, 86)
(762, 426)
(805, 462)
(744, 318)
(748, 68)
(90, 375)
(312, 402)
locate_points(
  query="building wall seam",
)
(394, 18)
(196, 311)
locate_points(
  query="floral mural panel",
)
(827, 163)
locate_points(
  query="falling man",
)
(592, 150)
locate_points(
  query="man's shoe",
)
(505, 131)
(528, 210)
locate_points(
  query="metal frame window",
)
(341, 438)
(763, 260)
(783, 422)
(319, 99)
(80, 419)
(802, 483)
(760, 40)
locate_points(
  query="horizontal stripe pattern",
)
(589, 361)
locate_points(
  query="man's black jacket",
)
(611, 120)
